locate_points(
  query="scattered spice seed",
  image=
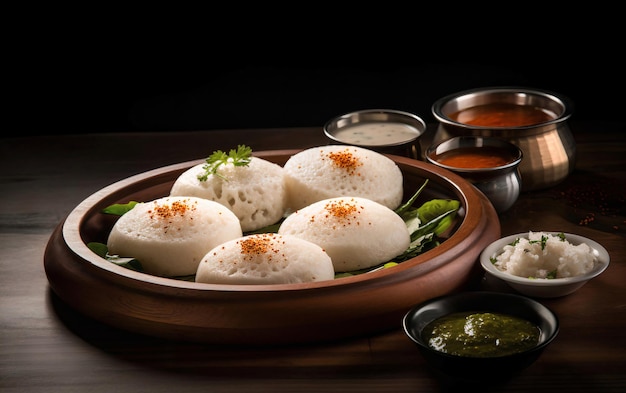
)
(595, 200)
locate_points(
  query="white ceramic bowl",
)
(545, 288)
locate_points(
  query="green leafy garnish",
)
(432, 210)
(240, 157)
(406, 210)
(428, 213)
(98, 248)
(119, 208)
(424, 238)
(543, 241)
(366, 270)
(102, 250)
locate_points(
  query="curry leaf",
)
(119, 209)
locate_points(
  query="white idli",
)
(332, 171)
(356, 232)
(266, 258)
(169, 236)
(256, 193)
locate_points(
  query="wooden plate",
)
(261, 314)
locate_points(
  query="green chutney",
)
(475, 334)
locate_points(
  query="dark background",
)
(80, 79)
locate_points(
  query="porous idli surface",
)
(332, 171)
(169, 236)
(256, 193)
(356, 233)
(266, 258)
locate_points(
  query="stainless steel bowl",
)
(549, 147)
(501, 184)
(383, 130)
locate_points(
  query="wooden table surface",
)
(47, 347)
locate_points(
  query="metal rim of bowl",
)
(520, 93)
(375, 115)
(475, 141)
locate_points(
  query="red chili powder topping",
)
(345, 160)
(259, 244)
(168, 211)
(343, 210)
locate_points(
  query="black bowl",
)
(480, 368)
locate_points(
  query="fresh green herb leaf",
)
(129, 263)
(103, 251)
(119, 209)
(433, 209)
(543, 241)
(240, 157)
(405, 210)
(366, 270)
(414, 217)
(98, 248)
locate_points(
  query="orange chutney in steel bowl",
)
(475, 157)
(502, 114)
(515, 114)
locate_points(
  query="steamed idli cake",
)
(266, 258)
(336, 170)
(357, 233)
(170, 236)
(256, 192)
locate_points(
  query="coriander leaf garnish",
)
(543, 241)
(240, 157)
